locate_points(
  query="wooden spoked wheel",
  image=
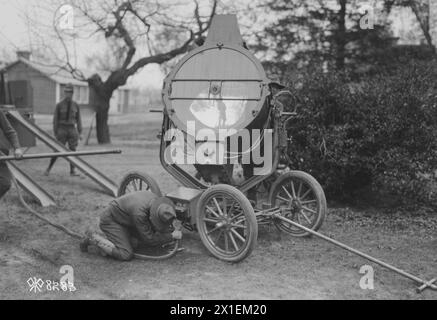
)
(135, 181)
(226, 223)
(301, 199)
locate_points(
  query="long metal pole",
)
(59, 154)
(424, 283)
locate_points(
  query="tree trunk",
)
(341, 36)
(424, 17)
(99, 99)
(102, 128)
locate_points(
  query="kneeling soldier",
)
(140, 215)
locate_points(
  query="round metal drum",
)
(216, 87)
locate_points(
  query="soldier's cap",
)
(68, 88)
(275, 83)
(162, 214)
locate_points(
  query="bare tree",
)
(421, 9)
(137, 33)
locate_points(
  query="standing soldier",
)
(6, 131)
(67, 125)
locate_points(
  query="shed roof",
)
(54, 73)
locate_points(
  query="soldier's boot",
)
(49, 168)
(73, 173)
(84, 244)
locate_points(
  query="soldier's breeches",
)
(68, 134)
(117, 234)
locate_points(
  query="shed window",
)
(83, 95)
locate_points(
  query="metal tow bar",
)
(423, 284)
(59, 155)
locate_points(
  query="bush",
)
(380, 132)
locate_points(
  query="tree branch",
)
(120, 77)
(159, 58)
(424, 25)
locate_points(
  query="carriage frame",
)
(207, 208)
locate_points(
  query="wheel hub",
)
(226, 222)
(295, 205)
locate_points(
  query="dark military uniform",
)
(66, 119)
(10, 134)
(67, 126)
(129, 216)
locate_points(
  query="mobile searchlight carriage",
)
(224, 139)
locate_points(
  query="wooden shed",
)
(41, 86)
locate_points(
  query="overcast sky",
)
(14, 35)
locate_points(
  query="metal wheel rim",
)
(299, 202)
(227, 226)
